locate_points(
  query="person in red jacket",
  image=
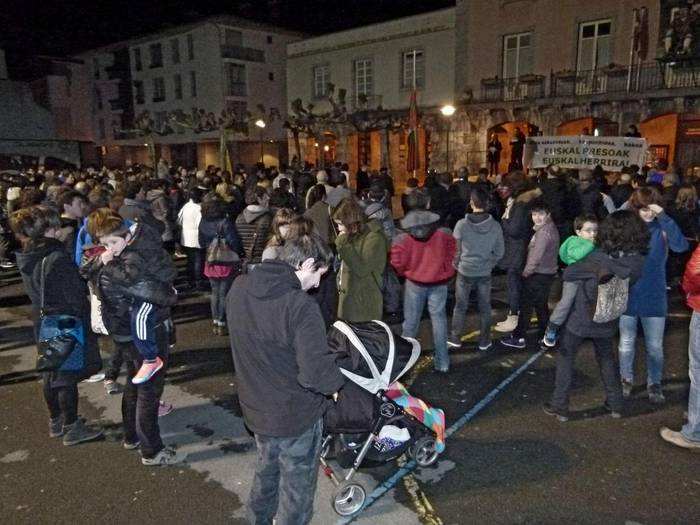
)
(424, 254)
(689, 435)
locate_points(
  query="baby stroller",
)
(375, 420)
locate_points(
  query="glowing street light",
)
(261, 124)
(447, 111)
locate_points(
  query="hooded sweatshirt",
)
(479, 244)
(574, 249)
(284, 367)
(424, 254)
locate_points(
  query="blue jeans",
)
(463, 288)
(285, 478)
(691, 430)
(654, 342)
(219, 289)
(415, 297)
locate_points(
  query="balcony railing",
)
(366, 102)
(642, 78)
(247, 54)
(510, 89)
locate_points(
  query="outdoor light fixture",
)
(261, 124)
(326, 148)
(448, 110)
(316, 144)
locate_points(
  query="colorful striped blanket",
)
(433, 418)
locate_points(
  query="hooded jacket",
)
(479, 244)
(253, 226)
(284, 367)
(379, 212)
(588, 272)
(424, 254)
(574, 249)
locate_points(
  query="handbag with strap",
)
(248, 264)
(219, 252)
(61, 337)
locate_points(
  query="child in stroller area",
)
(375, 419)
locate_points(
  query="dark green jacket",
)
(360, 278)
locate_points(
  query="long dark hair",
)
(623, 231)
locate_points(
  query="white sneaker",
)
(508, 325)
(167, 456)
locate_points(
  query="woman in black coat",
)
(215, 221)
(517, 230)
(64, 293)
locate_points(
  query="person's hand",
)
(335, 396)
(341, 228)
(656, 209)
(106, 256)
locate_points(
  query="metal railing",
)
(509, 89)
(640, 78)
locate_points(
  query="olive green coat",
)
(360, 278)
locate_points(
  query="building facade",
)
(180, 94)
(562, 67)
(350, 91)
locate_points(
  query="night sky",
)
(57, 28)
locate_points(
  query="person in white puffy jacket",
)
(189, 217)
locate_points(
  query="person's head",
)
(585, 178)
(687, 198)
(214, 209)
(280, 226)
(349, 217)
(417, 200)
(540, 212)
(623, 231)
(482, 174)
(479, 199)
(632, 129)
(257, 195)
(309, 256)
(196, 195)
(72, 204)
(223, 190)
(35, 222)
(586, 227)
(642, 198)
(321, 177)
(109, 229)
(135, 191)
(670, 179)
(376, 193)
(338, 180)
(412, 182)
(318, 193)
(662, 165)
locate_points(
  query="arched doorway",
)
(505, 131)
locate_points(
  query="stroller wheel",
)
(424, 451)
(348, 498)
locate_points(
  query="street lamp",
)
(261, 124)
(447, 111)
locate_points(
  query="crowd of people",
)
(283, 254)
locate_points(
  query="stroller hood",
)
(369, 354)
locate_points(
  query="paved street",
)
(508, 463)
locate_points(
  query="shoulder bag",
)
(61, 337)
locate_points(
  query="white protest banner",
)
(583, 151)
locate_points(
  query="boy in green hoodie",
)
(575, 248)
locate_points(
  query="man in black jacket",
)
(285, 373)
